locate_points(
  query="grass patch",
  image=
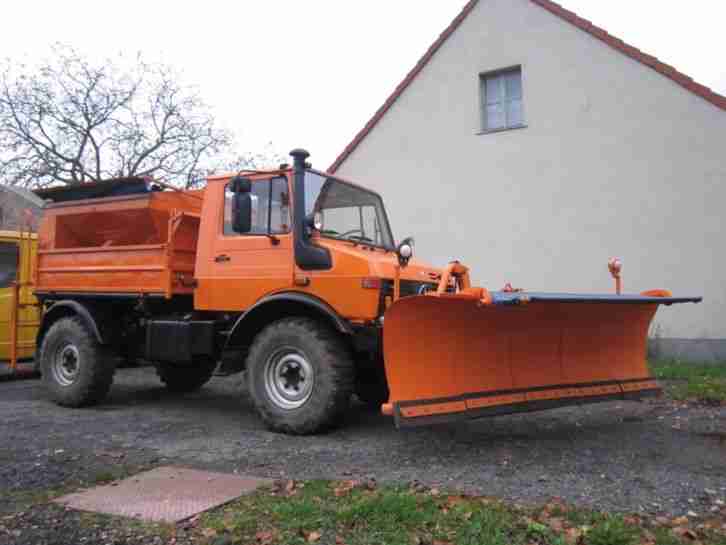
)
(328, 513)
(612, 531)
(693, 381)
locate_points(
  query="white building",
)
(533, 146)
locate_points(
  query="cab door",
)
(245, 267)
(9, 261)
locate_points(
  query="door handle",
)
(222, 258)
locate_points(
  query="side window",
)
(279, 207)
(371, 228)
(270, 208)
(8, 264)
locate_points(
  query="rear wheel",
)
(300, 376)
(77, 370)
(180, 379)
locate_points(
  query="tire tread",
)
(99, 367)
(326, 413)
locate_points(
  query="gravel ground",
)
(659, 457)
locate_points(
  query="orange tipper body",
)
(258, 263)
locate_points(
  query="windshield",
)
(347, 212)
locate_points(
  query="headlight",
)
(405, 251)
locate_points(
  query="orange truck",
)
(293, 276)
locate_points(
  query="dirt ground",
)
(657, 457)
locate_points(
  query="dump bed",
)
(143, 243)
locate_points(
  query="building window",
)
(501, 99)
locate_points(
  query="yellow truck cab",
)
(19, 309)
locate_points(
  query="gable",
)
(647, 61)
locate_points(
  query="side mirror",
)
(242, 213)
(240, 184)
(241, 188)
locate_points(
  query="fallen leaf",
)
(344, 487)
(289, 486)
(265, 537)
(573, 535)
(455, 500)
(679, 521)
(434, 492)
(209, 532)
(557, 524)
(437, 542)
(339, 540)
(312, 537)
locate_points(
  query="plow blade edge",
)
(448, 358)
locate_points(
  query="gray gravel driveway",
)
(657, 456)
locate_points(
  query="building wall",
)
(616, 160)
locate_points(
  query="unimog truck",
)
(294, 276)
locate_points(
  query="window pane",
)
(8, 264)
(280, 211)
(341, 221)
(514, 85)
(494, 89)
(514, 113)
(495, 116)
(260, 196)
(371, 228)
(260, 203)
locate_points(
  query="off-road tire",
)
(95, 364)
(183, 380)
(333, 367)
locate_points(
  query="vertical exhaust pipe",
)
(308, 256)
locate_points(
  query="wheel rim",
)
(66, 364)
(289, 378)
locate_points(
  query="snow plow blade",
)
(452, 356)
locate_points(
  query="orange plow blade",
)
(450, 356)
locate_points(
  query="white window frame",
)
(483, 100)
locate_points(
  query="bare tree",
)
(73, 121)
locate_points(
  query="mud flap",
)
(449, 357)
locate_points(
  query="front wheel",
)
(300, 376)
(76, 369)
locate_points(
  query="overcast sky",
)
(311, 73)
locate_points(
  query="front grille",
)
(408, 288)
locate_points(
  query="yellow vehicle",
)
(19, 309)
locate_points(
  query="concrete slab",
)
(165, 494)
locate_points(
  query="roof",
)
(583, 24)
